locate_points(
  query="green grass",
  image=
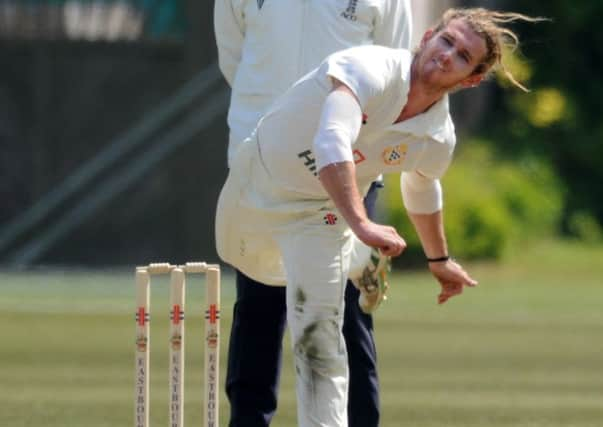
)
(524, 349)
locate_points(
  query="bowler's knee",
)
(321, 346)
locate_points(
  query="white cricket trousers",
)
(316, 262)
(275, 236)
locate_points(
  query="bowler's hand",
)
(452, 277)
(383, 237)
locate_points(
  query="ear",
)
(427, 36)
(472, 81)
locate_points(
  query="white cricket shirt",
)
(380, 79)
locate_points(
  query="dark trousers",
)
(255, 353)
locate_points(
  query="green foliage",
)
(560, 118)
(488, 203)
(585, 227)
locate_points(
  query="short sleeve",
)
(362, 69)
(436, 158)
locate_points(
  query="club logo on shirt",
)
(394, 155)
(350, 12)
(330, 219)
(260, 4)
(358, 157)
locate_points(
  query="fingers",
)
(466, 279)
(471, 282)
(390, 251)
(452, 278)
(395, 245)
(442, 298)
(383, 237)
(452, 289)
(394, 248)
(448, 291)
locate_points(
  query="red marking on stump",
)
(176, 315)
(212, 313)
(142, 318)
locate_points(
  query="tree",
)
(562, 64)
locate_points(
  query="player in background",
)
(264, 46)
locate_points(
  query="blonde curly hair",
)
(489, 25)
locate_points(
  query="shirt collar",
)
(434, 123)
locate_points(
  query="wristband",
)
(440, 259)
